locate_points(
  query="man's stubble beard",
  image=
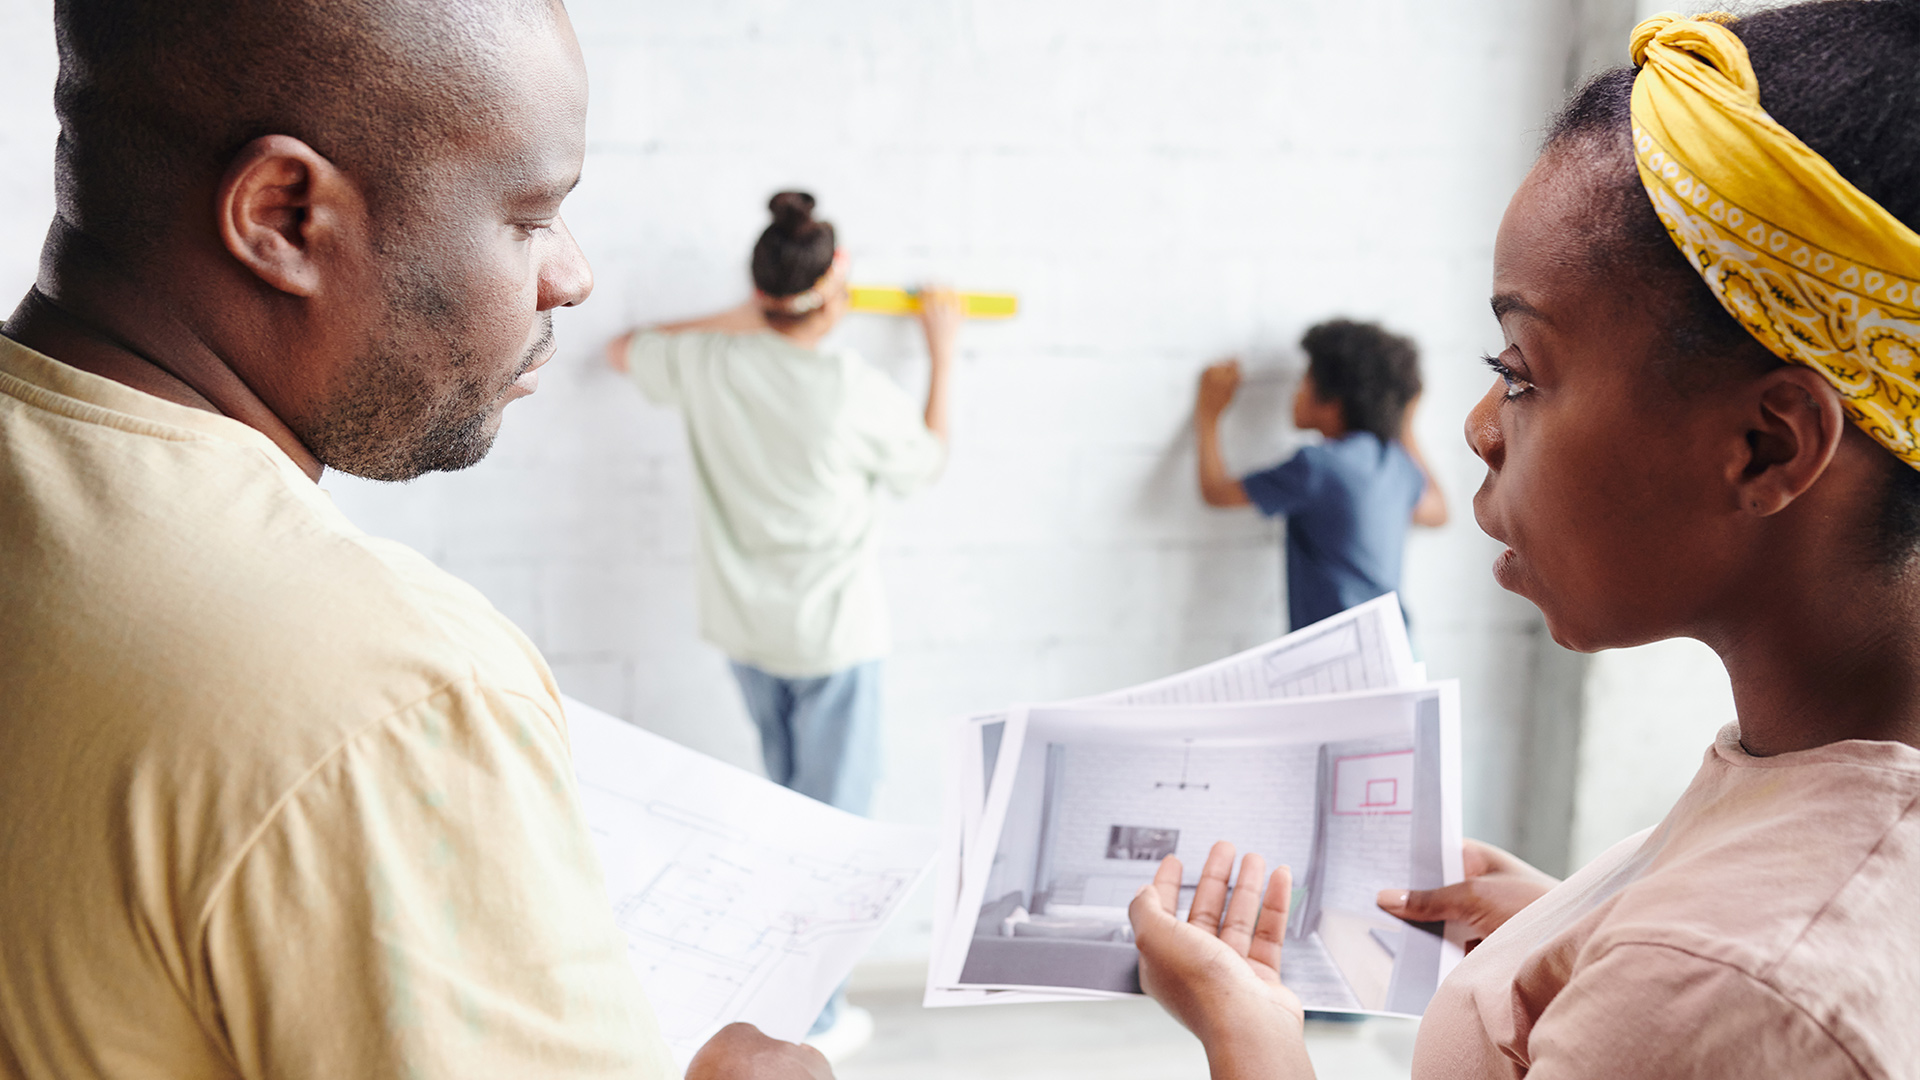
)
(389, 421)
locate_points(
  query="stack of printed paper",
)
(1326, 750)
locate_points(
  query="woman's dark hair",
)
(1841, 75)
(793, 251)
(1373, 374)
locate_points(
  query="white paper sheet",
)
(1364, 647)
(1354, 958)
(740, 900)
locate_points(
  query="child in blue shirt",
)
(1349, 500)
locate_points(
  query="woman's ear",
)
(283, 209)
(1794, 427)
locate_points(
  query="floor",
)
(1116, 1040)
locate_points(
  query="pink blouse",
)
(1769, 927)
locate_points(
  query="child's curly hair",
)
(1373, 374)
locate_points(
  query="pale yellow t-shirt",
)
(277, 799)
(1769, 927)
(790, 448)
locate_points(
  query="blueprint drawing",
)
(740, 900)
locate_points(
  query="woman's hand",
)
(617, 351)
(1498, 885)
(1219, 972)
(940, 315)
(741, 1052)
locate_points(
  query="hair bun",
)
(792, 211)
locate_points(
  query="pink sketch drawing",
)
(1373, 783)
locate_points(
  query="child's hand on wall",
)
(1217, 386)
(1218, 383)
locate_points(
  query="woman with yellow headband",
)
(1704, 425)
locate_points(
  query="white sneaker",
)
(852, 1030)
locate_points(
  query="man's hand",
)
(741, 1052)
(1219, 972)
(1498, 885)
(1218, 383)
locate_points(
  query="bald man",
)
(277, 798)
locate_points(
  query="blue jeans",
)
(819, 736)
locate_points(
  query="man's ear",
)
(282, 209)
(1794, 426)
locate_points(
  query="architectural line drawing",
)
(739, 899)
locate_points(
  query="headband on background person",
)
(1813, 268)
(798, 304)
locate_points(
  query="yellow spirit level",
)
(884, 300)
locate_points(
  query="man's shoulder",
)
(192, 636)
(194, 582)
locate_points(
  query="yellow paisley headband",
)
(1807, 263)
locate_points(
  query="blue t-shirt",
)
(1348, 504)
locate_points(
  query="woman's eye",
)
(1516, 385)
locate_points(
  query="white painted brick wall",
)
(1163, 183)
(27, 130)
